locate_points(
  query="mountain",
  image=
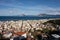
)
(21, 15)
(46, 14)
(43, 14)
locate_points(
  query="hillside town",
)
(27, 30)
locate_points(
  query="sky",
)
(29, 7)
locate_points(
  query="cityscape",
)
(29, 19)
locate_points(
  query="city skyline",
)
(29, 7)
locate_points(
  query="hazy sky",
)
(29, 7)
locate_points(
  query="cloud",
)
(10, 3)
(16, 9)
(43, 9)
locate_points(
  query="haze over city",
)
(29, 7)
